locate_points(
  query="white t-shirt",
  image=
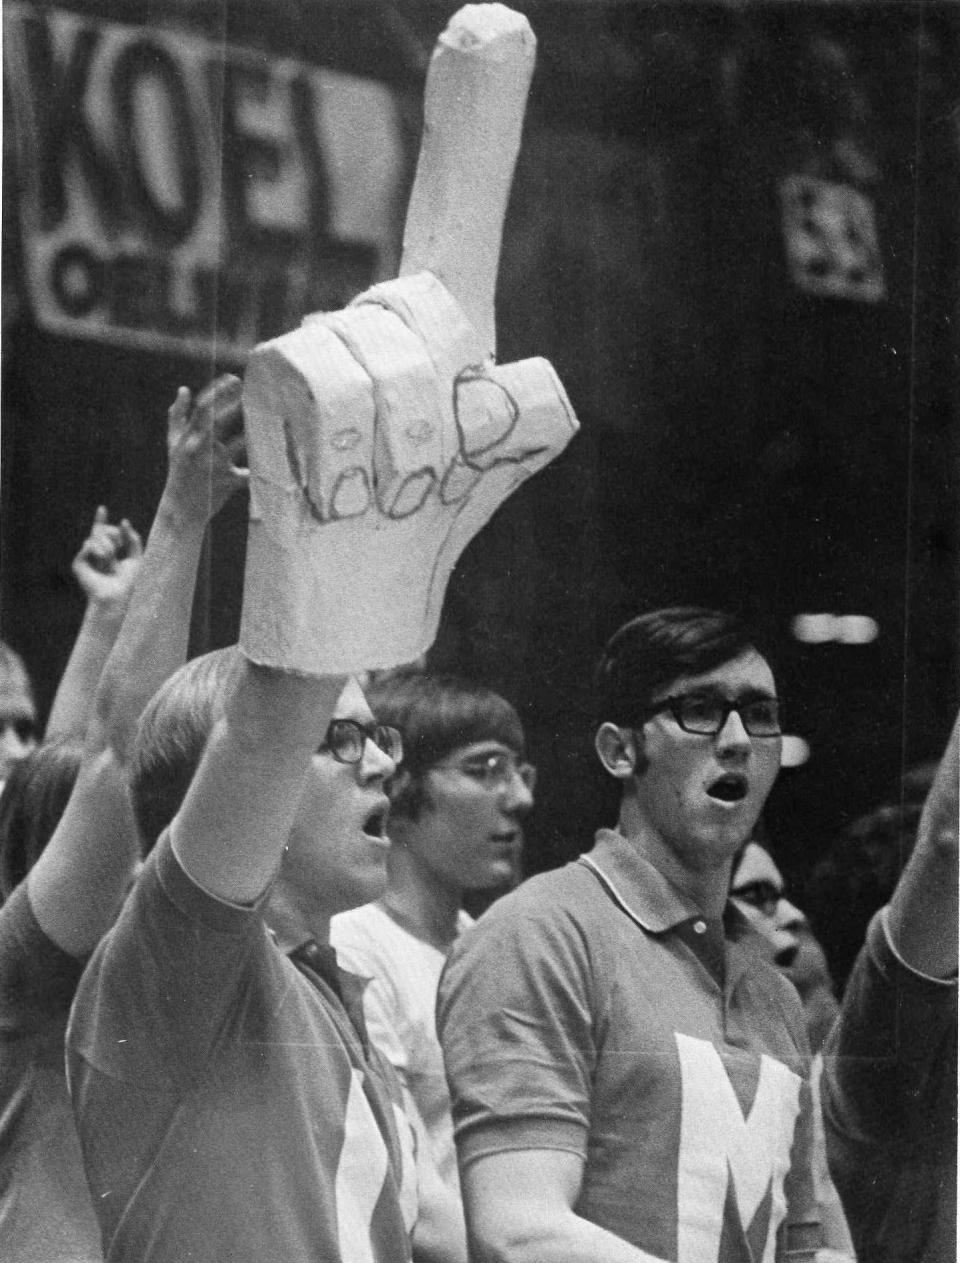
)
(399, 1005)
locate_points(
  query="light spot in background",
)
(844, 629)
(814, 629)
(857, 629)
(794, 751)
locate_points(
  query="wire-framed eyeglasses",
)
(705, 714)
(494, 770)
(346, 740)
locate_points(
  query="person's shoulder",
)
(555, 884)
(548, 906)
(543, 894)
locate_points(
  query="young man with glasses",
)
(230, 1105)
(214, 1033)
(628, 1072)
(457, 805)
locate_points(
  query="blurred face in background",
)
(757, 889)
(18, 719)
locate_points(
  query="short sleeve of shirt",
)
(171, 967)
(514, 1020)
(886, 1042)
(37, 978)
(889, 1091)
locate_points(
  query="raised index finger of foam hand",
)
(474, 102)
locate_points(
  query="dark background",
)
(743, 444)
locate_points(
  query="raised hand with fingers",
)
(108, 561)
(206, 450)
(383, 437)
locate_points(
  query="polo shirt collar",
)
(321, 959)
(639, 888)
(644, 893)
(657, 906)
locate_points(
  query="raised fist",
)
(108, 561)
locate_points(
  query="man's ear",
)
(617, 749)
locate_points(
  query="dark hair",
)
(171, 737)
(653, 649)
(859, 871)
(437, 713)
(33, 800)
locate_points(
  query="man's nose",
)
(518, 790)
(733, 735)
(375, 763)
(788, 916)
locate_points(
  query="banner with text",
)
(183, 196)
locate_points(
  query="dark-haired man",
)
(627, 1071)
(456, 822)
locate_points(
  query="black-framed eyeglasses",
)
(494, 771)
(705, 714)
(24, 727)
(346, 740)
(762, 895)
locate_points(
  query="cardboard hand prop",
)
(381, 438)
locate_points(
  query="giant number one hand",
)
(381, 438)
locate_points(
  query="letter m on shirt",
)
(733, 1158)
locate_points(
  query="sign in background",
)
(185, 196)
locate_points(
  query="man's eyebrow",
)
(747, 695)
(488, 752)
